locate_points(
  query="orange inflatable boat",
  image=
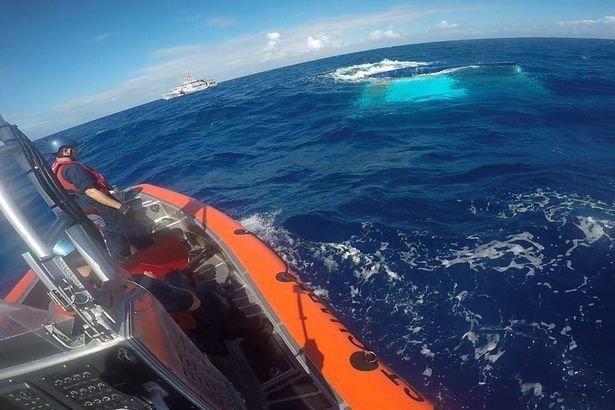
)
(84, 331)
(320, 363)
(346, 364)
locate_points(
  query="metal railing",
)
(63, 282)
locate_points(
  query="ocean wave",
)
(361, 72)
(370, 255)
(411, 69)
(556, 207)
(332, 255)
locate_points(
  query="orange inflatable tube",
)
(21, 288)
(348, 366)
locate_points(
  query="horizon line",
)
(329, 57)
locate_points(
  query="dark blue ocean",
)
(454, 202)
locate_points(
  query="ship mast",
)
(190, 78)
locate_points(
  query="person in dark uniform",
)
(92, 193)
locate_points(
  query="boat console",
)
(41, 371)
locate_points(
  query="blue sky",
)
(67, 62)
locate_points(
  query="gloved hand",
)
(125, 209)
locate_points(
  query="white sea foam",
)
(265, 227)
(449, 70)
(536, 388)
(491, 344)
(592, 230)
(557, 207)
(366, 265)
(425, 351)
(332, 254)
(410, 256)
(484, 347)
(330, 263)
(320, 292)
(521, 251)
(361, 72)
(594, 219)
(471, 336)
(462, 295)
(495, 356)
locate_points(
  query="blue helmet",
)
(60, 142)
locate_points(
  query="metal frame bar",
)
(58, 278)
(55, 232)
(100, 263)
(22, 226)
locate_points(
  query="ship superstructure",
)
(190, 85)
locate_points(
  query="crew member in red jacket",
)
(92, 193)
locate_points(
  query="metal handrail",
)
(60, 280)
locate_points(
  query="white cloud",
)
(577, 22)
(588, 22)
(101, 37)
(443, 24)
(379, 34)
(272, 41)
(219, 21)
(273, 36)
(316, 43)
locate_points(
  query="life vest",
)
(101, 182)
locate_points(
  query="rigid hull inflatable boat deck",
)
(113, 345)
